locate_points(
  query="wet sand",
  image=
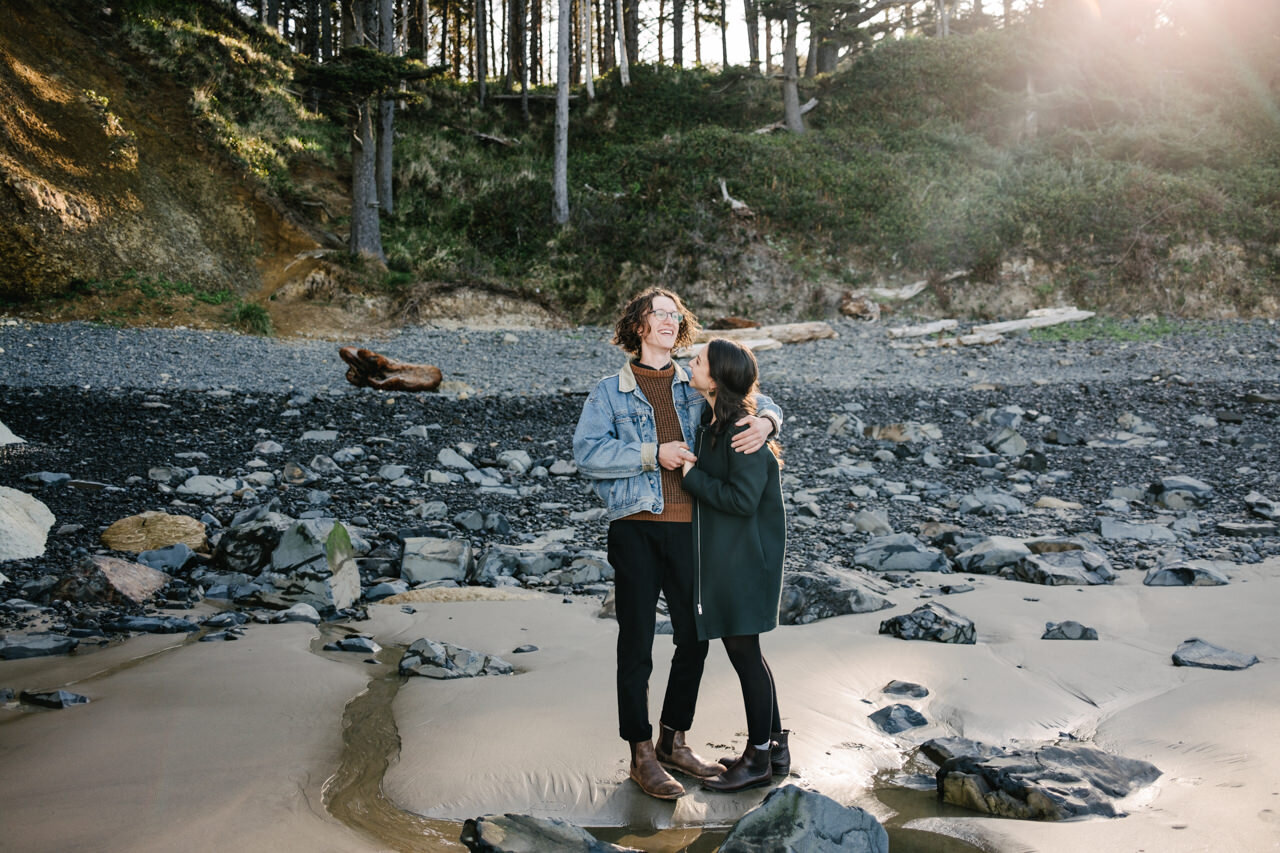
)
(197, 745)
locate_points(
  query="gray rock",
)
(320, 434)
(48, 479)
(431, 659)
(322, 464)
(386, 589)
(905, 688)
(990, 502)
(1186, 573)
(516, 833)
(450, 458)
(875, 522)
(563, 468)
(360, 645)
(1007, 442)
(35, 645)
(427, 559)
(300, 612)
(1262, 506)
(152, 625)
(209, 486)
(315, 564)
(940, 750)
(810, 596)
(1067, 630)
(900, 552)
(516, 461)
(517, 562)
(1180, 492)
(1063, 568)
(56, 699)
(793, 819)
(246, 546)
(430, 510)
(171, 558)
(7, 436)
(1248, 529)
(991, 555)
(268, 447)
(931, 621)
(893, 719)
(1116, 531)
(24, 525)
(1196, 652)
(1051, 783)
(110, 580)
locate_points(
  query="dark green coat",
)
(740, 534)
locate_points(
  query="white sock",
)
(763, 747)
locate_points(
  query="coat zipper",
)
(697, 534)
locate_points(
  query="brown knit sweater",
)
(677, 505)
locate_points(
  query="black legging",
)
(758, 692)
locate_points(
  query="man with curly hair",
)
(633, 438)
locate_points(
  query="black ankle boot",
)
(752, 770)
(780, 753)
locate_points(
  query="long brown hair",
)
(737, 376)
(631, 325)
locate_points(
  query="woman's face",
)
(700, 373)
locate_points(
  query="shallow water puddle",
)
(370, 741)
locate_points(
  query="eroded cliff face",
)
(102, 172)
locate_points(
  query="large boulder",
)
(7, 436)
(1186, 573)
(35, 645)
(315, 564)
(810, 596)
(24, 525)
(900, 552)
(110, 580)
(431, 659)
(931, 621)
(427, 559)
(518, 833)
(517, 562)
(1053, 782)
(791, 818)
(149, 531)
(1196, 652)
(245, 547)
(1063, 568)
(991, 555)
(1180, 492)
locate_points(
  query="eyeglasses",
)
(667, 315)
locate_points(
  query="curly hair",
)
(631, 326)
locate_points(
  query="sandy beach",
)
(188, 745)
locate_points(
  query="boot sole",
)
(757, 783)
(657, 796)
(676, 767)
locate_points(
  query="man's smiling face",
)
(660, 332)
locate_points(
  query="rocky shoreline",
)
(912, 477)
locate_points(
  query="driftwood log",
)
(368, 369)
(785, 333)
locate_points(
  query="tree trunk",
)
(366, 235)
(535, 42)
(942, 27)
(624, 70)
(768, 47)
(386, 111)
(482, 50)
(587, 71)
(790, 78)
(724, 35)
(677, 33)
(697, 34)
(629, 23)
(752, 13)
(515, 43)
(560, 177)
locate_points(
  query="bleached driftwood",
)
(923, 329)
(786, 333)
(980, 339)
(739, 208)
(753, 344)
(1036, 319)
(779, 125)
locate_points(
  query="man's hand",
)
(751, 440)
(674, 454)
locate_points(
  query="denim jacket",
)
(616, 441)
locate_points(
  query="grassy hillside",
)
(1053, 162)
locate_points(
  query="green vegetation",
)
(135, 295)
(252, 318)
(1111, 329)
(921, 157)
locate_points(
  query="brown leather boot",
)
(779, 754)
(752, 770)
(674, 754)
(649, 775)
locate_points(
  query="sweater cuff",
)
(649, 456)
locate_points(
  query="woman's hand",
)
(688, 465)
(751, 440)
(673, 454)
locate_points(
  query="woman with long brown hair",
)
(740, 537)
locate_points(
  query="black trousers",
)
(649, 557)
